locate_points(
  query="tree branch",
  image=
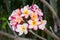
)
(51, 34)
(52, 10)
(12, 36)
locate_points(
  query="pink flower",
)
(13, 23)
(33, 24)
(36, 9)
(42, 25)
(34, 16)
(14, 14)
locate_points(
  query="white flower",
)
(22, 29)
(33, 24)
(42, 25)
(25, 11)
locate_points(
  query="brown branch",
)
(12, 36)
(37, 35)
(51, 34)
(52, 10)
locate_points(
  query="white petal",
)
(9, 18)
(20, 33)
(38, 22)
(21, 15)
(36, 6)
(40, 14)
(26, 7)
(45, 21)
(17, 30)
(35, 28)
(26, 16)
(42, 27)
(25, 24)
(30, 27)
(13, 27)
(19, 26)
(25, 32)
(29, 21)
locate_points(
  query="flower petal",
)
(42, 27)
(30, 27)
(35, 28)
(25, 24)
(21, 32)
(25, 32)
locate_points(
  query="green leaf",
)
(3, 18)
(4, 25)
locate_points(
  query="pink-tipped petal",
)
(30, 27)
(35, 28)
(42, 27)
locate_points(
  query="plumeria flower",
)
(22, 29)
(33, 24)
(14, 14)
(40, 18)
(27, 17)
(16, 20)
(39, 12)
(34, 7)
(19, 19)
(13, 23)
(42, 25)
(25, 11)
(34, 16)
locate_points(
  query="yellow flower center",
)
(34, 23)
(23, 28)
(25, 12)
(19, 19)
(34, 16)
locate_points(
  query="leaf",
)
(4, 25)
(3, 18)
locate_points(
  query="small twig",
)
(51, 29)
(51, 34)
(52, 10)
(37, 35)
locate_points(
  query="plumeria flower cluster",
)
(28, 17)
